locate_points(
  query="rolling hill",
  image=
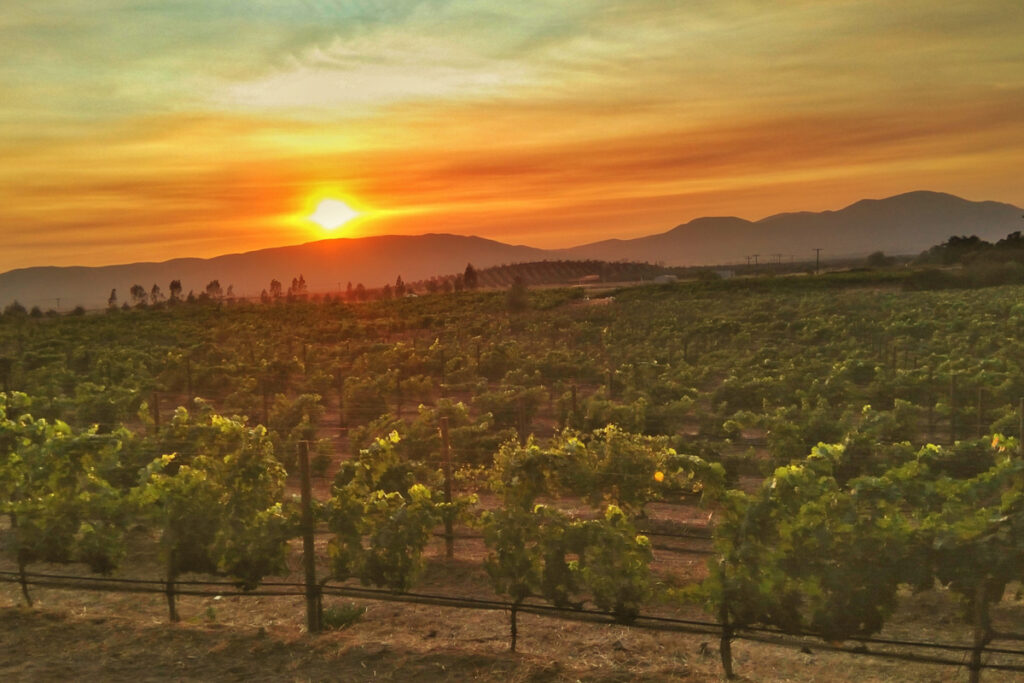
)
(903, 224)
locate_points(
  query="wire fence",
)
(909, 650)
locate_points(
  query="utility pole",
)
(755, 258)
(817, 260)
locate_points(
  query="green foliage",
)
(222, 512)
(341, 617)
(382, 517)
(52, 487)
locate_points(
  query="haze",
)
(134, 131)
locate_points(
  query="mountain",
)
(326, 265)
(904, 224)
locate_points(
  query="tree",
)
(175, 288)
(213, 290)
(112, 299)
(469, 277)
(155, 295)
(399, 287)
(275, 289)
(518, 298)
(139, 296)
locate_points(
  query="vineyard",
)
(797, 460)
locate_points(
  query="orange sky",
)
(137, 131)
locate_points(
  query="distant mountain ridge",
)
(904, 224)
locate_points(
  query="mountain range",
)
(904, 224)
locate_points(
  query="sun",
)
(331, 214)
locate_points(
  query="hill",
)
(327, 266)
(903, 224)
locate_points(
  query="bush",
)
(340, 617)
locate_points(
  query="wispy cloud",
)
(203, 124)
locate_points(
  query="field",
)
(710, 499)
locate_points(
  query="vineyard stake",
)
(308, 547)
(952, 408)
(980, 407)
(156, 412)
(446, 459)
(1020, 428)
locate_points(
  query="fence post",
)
(342, 423)
(446, 459)
(982, 630)
(980, 410)
(1020, 428)
(308, 547)
(952, 408)
(575, 408)
(156, 412)
(188, 381)
(931, 407)
(172, 574)
(444, 379)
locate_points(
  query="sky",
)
(145, 130)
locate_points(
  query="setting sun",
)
(331, 214)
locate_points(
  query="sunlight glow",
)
(331, 214)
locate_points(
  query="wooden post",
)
(398, 393)
(725, 644)
(444, 388)
(980, 428)
(446, 460)
(188, 381)
(341, 402)
(172, 574)
(521, 419)
(575, 409)
(308, 546)
(1020, 428)
(22, 567)
(156, 412)
(513, 627)
(982, 630)
(931, 409)
(266, 401)
(952, 408)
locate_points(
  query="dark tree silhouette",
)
(139, 296)
(469, 277)
(518, 297)
(213, 290)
